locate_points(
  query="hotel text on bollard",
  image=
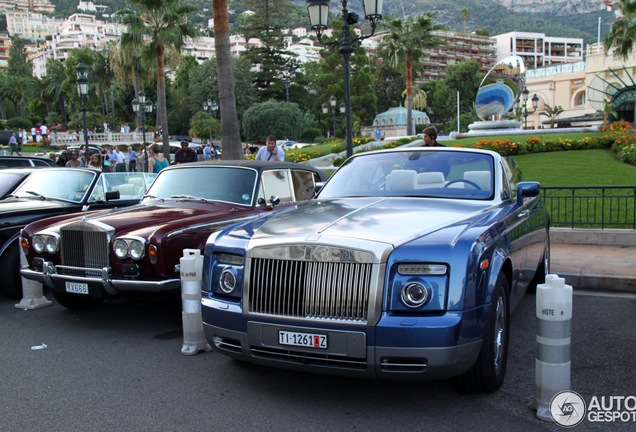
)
(554, 313)
(191, 268)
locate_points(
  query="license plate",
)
(302, 339)
(76, 288)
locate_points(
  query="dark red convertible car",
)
(136, 251)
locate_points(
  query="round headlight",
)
(38, 244)
(50, 243)
(228, 282)
(414, 295)
(136, 249)
(121, 249)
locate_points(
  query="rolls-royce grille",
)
(81, 248)
(308, 289)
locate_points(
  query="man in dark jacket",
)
(186, 154)
(430, 137)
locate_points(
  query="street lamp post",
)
(211, 107)
(334, 117)
(82, 88)
(318, 16)
(287, 77)
(142, 107)
(535, 105)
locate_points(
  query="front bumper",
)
(49, 276)
(352, 351)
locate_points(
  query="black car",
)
(24, 161)
(58, 192)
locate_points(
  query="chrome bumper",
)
(49, 275)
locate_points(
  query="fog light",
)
(38, 244)
(228, 282)
(121, 249)
(414, 295)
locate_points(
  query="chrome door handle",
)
(523, 214)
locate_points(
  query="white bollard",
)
(32, 291)
(191, 276)
(554, 311)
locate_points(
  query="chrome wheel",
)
(500, 333)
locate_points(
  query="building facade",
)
(35, 5)
(78, 31)
(539, 50)
(30, 25)
(5, 44)
(392, 123)
(581, 88)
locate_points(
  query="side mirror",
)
(112, 195)
(274, 200)
(527, 190)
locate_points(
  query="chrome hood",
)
(347, 221)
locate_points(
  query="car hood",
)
(384, 220)
(28, 205)
(176, 214)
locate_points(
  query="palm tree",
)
(465, 14)
(3, 78)
(201, 125)
(37, 88)
(552, 113)
(405, 44)
(14, 88)
(232, 149)
(622, 33)
(157, 26)
(55, 81)
(608, 110)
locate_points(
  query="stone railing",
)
(58, 139)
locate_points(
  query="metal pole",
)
(85, 110)
(458, 122)
(346, 50)
(216, 137)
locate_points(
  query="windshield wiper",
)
(36, 194)
(153, 196)
(188, 197)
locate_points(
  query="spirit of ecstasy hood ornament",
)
(85, 210)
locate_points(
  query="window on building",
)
(391, 121)
(579, 99)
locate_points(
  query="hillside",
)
(558, 18)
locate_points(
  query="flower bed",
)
(618, 136)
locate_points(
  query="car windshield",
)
(130, 185)
(229, 184)
(69, 185)
(416, 173)
(7, 180)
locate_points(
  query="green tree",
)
(273, 118)
(232, 148)
(201, 125)
(55, 79)
(330, 80)
(465, 78)
(388, 84)
(19, 64)
(465, 14)
(551, 113)
(157, 26)
(270, 57)
(404, 45)
(440, 100)
(622, 33)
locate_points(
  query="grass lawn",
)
(521, 138)
(576, 168)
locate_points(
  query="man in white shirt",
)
(270, 152)
(121, 166)
(45, 135)
(33, 135)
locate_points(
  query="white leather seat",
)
(430, 180)
(481, 178)
(402, 180)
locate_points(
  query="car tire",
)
(76, 302)
(488, 372)
(10, 269)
